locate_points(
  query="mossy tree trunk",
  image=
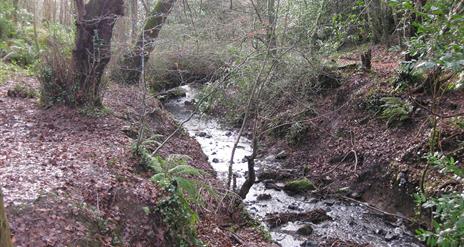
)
(5, 236)
(131, 65)
(381, 21)
(95, 21)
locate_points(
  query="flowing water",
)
(350, 221)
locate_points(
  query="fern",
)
(179, 180)
(395, 110)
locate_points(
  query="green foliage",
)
(440, 33)
(297, 133)
(446, 164)
(458, 122)
(56, 77)
(7, 29)
(448, 209)
(8, 69)
(348, 26)
(395, 110)
(408, 76)
(179, 217)
(22, 91)
(16, 37)
(177, 178)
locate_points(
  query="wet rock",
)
(263, 197)
(189, 102)
(309, 243)
(172, 94)
(275, 174)
(215, 160)
(305, 230)
(228, 133)
(329, 203)
(299, 186)
(294, 206)
(379, 231)
(213, 153)
(270, 157)
(403, 179)
(390, 236)
(203, 134)
(281, 155)
(269, 184)
(314, 216)
(355, 195)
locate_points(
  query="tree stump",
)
(366, 57)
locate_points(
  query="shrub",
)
(297, 133)
(448, 209)
(181, 193)
(22, 91)
(395, 110)
(20, 52)
(55, 74)
(408, 76)
(7, 29)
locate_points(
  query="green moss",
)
(299, 185)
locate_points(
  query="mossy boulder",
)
(299, 186)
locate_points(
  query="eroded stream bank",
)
(292, 220)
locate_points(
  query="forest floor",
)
(347, 146)
(70, 179)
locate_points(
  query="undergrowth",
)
(447, 226)
(181, 193)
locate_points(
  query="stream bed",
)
(349, 221)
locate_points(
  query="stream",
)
(350, 221)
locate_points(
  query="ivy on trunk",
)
(95, 21)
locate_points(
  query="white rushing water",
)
(351, 221)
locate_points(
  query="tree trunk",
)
(271, 27)
(5, 235)
(92, 53)
(381, 21)
(134, 18)
(132, 61)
